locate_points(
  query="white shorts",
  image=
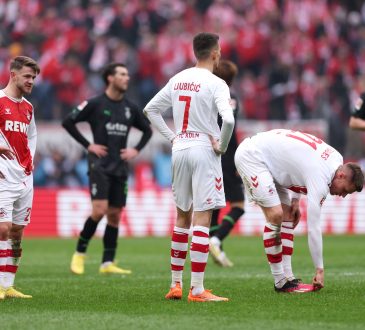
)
(260, 185)
(197, 179)
(16, 201)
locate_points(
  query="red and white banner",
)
(151, 212)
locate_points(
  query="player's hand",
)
(128, 153)
(318, 279)
(6, 153)
(98, 149)
(295, 212)
(215, 145)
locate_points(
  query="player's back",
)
(296, 157)
(194, 93)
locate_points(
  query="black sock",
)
(110, 243)
(214, 223)
(86, 234)
(228, 222)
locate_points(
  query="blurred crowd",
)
(297, 59)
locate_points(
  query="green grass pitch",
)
(62, 300)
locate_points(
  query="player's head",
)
(226, 70)
(23, 71)
(206, 47)
(116, 75)
(348, 179)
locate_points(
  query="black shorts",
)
(110, 187)
(233, 187)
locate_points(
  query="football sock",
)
(87, 232)
(287, 240)
(214, 223)
(179, 249)
(12, 262)
(3, 259)
(228, 222)
(110, 241)
(199, 252)
(273, 250)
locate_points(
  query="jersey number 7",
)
(187, 100)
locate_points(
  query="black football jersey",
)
(359, 110)
(110, 123)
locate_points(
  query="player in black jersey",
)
(233, 189)
(111, 116)
(357, 119)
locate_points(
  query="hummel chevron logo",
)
(218, 183)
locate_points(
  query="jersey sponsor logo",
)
(116, 129)
(82, 105)
(16, 126)
(184, 86)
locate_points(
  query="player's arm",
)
(6, 153)
(357, 119)
(154, 109)
(32, 136)
(141, 122)
(294, 208)
(79, 114)
(315, 198)
(357, 123)
(221, 99)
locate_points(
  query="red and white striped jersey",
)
(18, 133)
(196, 96)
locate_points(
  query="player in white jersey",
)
(276, 162)
(17, 147)
(196, 96)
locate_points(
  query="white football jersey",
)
(304, 164)
(299, 161)
(196, 96)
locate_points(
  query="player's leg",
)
(4, 236)
(223, 230)
(179, 249)
(7, 199)
(13, 261)
(21, 218)
(260, 187)
(118, 191)
(208, 194)
(99, 187)
(181, 187)
(214, 226)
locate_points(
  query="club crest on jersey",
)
(127, 112)
(7, 111)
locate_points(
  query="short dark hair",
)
(109, 70)
(357, 176)
(226, 70)
(17, 63)
(203, 44)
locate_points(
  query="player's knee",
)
(275, 216)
